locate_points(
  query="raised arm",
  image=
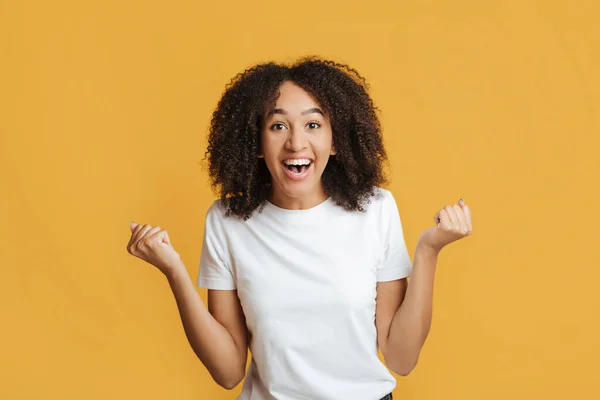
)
(218, 335)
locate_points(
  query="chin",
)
(297, 190)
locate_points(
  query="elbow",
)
(229, 381)
(402, 367)
(229, 385)
(404, 371)
(402, 361)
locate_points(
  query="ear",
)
(333, 151)
(260, 154)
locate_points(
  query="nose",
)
(297, 140)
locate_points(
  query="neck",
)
(309, 200)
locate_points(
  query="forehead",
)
(293, 98)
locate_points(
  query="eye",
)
(278, 126)
(313, 125)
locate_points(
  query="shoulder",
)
(382, 193)
(382, 198)
(216, 212)
(216, 215)
(218, 218)
(217, 209)
(377, 207)
(383, 206)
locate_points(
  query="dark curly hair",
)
(350, 177)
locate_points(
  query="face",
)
(296, 142)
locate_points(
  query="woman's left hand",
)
(452, 223)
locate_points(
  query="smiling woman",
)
(296, 143)
(314, 281)
(302, 144)
(315, 110)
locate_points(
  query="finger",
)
(167, 239)
(444, 219)
(452, 216)
(462, 220)
(134, 232)
(163, 235)
(132, 226)
(467, 211)
(130, 237)
(140, 231)
(151, 232)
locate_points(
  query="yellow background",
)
(104, 108)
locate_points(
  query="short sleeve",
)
(396, 262)
(215, 272)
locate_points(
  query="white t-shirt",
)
(306, 280)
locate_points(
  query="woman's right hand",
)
(153, 245)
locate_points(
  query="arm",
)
(406, 310)
(219, 336)
(404, 313)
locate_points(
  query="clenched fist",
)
(452, 223)
(153, 245)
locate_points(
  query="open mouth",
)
(297, 168)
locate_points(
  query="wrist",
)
(176, 272)
(427, 250)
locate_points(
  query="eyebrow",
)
(282, 111)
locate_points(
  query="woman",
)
(303, 255)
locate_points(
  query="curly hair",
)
(350, 177)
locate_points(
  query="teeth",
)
(302, 161)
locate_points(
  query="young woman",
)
(304, 255)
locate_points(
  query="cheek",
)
(324, 146)
(270, 149)
(266, 145)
